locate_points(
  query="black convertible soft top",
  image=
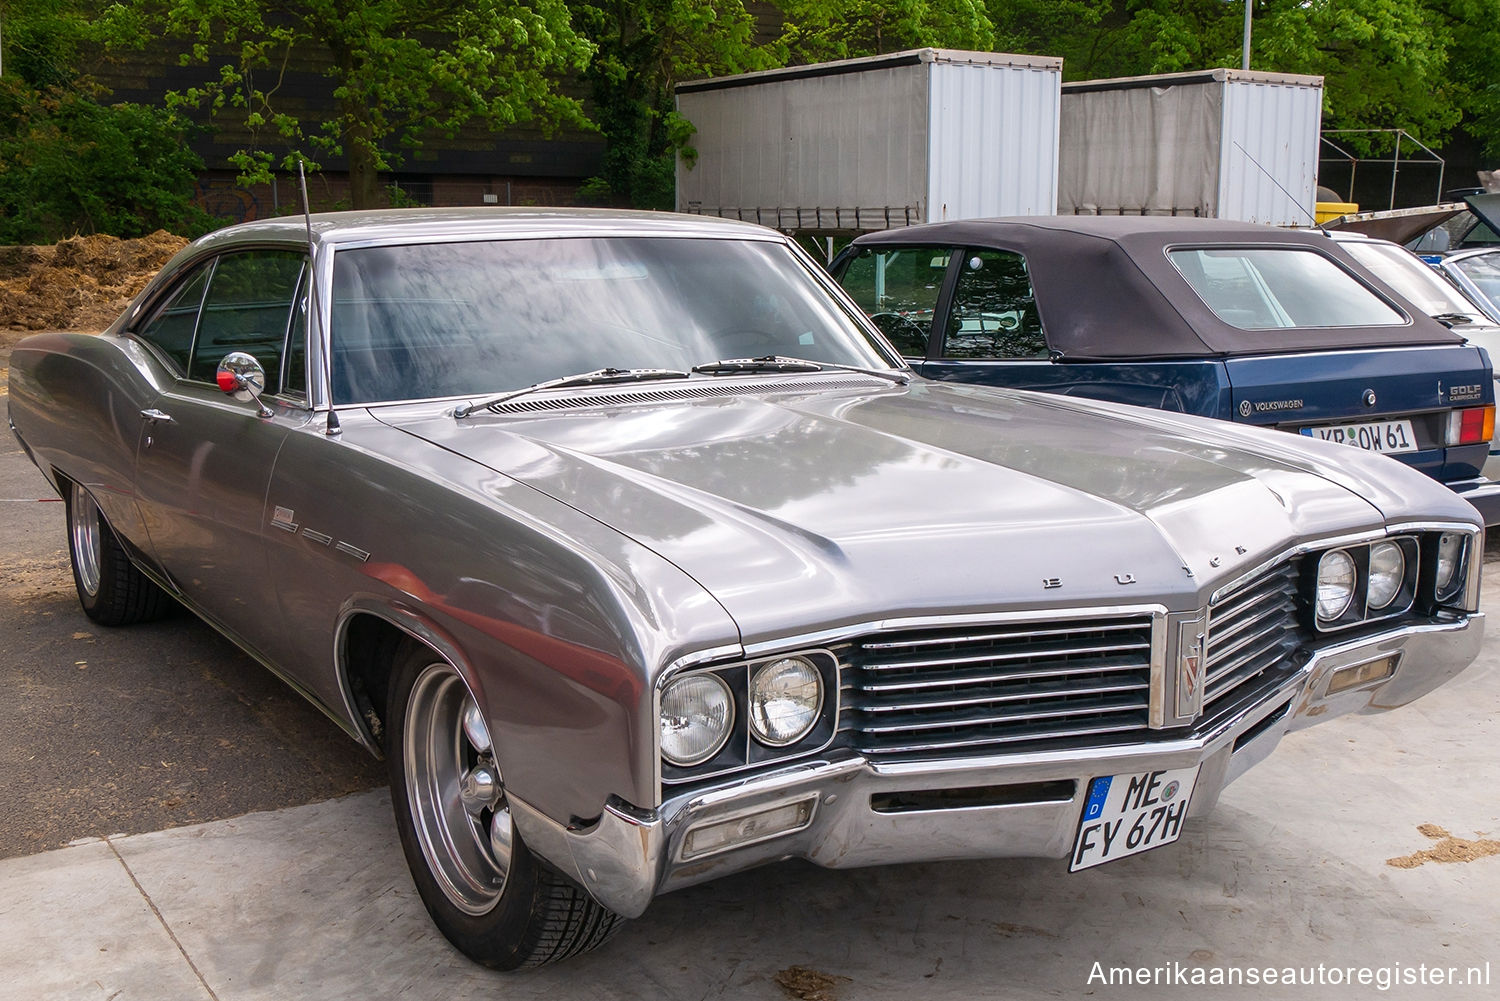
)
(1105, 288)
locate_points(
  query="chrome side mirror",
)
(242, 377)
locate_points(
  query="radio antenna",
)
(1290, 197)
(325, 366)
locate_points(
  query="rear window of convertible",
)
(1265, 288)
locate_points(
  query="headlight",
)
(1336, 577)
(697, 713)
(785, 696)
(1387, 573)
(1450, 560)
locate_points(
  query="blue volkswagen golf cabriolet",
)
(1258, 325)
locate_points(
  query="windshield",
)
(1401, 270)
(427, 321)
(1265, 288)
(1484, 271)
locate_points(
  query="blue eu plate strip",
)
(1098, 793)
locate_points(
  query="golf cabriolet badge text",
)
(1471, 392)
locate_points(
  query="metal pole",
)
(1395, 168)
(1245, 50)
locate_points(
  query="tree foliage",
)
(397, 70)
(816, 30)
(69, 164)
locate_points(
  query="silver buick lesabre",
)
(643, 559)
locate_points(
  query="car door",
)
(205, 458)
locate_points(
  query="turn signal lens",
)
(1471, 426)
(696, 714)
(1362, 674)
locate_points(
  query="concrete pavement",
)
(1290, 873)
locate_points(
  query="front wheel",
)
(500, 905)
(112, 591)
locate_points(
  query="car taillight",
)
(1471, 426)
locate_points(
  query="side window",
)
(171, 328)
(898, 289)
(248, 308)
(994, 311)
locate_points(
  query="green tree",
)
(69, 164)
(643, 49)
(1473, 27)
(397, 70)
(41, 40)
(817, 30)
(1037, 26)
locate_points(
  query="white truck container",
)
(1223, 143)
(862, 144)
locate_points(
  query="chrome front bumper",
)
(1028, 804)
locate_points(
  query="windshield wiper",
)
(781, 363)
(1449, 319)
(599, 377)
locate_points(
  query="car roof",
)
(1107, 290)
(492, 222)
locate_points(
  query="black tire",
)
(505, 913)
(112, 591)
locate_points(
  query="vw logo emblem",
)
(1244, 408)
(1369, 397)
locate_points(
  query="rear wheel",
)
(110, 588)
(499, 904)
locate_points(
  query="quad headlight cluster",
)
(745, 713)
(1386, 578)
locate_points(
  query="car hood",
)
(802, 510)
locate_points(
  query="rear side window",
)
(994, 313)
(898, 289)
(171, 329)
(248, 308)
(1265, 288)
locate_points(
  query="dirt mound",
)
(82, 283)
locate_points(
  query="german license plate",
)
(1372, 436)
(1127, 814)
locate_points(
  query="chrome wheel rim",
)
(454, 792)
(83, 528)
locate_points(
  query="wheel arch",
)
(368, 641)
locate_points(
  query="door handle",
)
(156, 416)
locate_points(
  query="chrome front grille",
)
(1252, 636)
(1056, 685)
(998, 687)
